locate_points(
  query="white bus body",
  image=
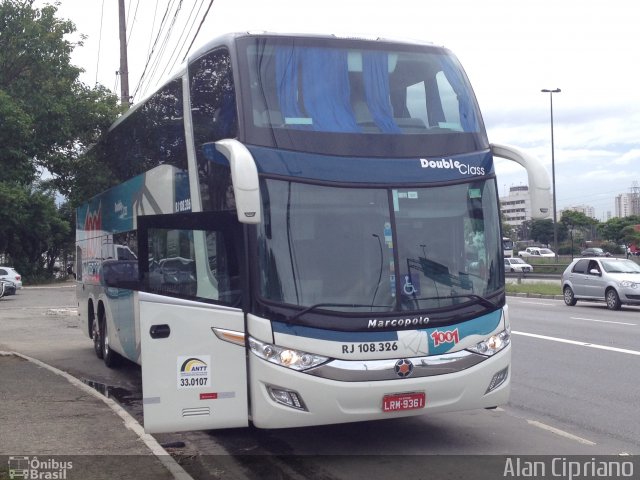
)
(307, 232)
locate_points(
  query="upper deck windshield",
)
(324, 95)
(379, 250)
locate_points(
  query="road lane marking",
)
(561, 433)
(538, 303)
(71, 312)
(580, 344)
(603, 321)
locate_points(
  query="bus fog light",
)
(498, 379)
(285, 357)
(286, 397)
(493, 344)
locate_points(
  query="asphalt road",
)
(578, 367)
(574, 392)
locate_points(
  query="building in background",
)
(516, 207)
(627, 204)
(588, 210)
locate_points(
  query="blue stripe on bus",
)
(332, 335)
(378, 170)
(483, 325)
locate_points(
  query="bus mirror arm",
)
(244, 177)
(539, 183)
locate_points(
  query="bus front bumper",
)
(321, 401)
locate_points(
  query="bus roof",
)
(229, 40)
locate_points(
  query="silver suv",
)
(614, 280)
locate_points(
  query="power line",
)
(99, 42)
(153, 26)
(198, 31)
(153, 70)
(155, 43)
(133, 22)
(160, 55)
(170, 64)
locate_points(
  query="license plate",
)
(399, 402)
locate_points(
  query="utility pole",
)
(553, 172)
(124, 67)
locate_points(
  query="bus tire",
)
(97, 338)
(110, 358)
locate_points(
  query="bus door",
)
(192, 324)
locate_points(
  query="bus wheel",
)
(110, 358)
(97, 338)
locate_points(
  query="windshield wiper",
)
(481, 300)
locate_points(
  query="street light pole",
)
(553, 172)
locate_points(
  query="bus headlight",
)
(285, 357)
(493, 344)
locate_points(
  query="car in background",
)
(594, 252)
(615, 281)
(536, 252)
(517, 265)
(9, 273)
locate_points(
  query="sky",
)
(510, 49)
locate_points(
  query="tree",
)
(32, 231)
(542, 231)
(578, 225)
(612, 229)
(52, 111)
(630, 235)
(15, 134)
(575, 219)
(47, 118)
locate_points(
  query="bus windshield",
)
(379, 250)
(299, 92)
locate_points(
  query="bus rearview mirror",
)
(244, 177)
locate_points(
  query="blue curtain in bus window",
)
(468, 118)
(325, 90)
(375, 73)
(287, 66)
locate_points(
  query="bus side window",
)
(193, 264)
(214, 116)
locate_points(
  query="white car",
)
(9, 273)
(536, 252)
(517, 265)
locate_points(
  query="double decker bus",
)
(309, 234)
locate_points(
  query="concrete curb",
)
(131, 423)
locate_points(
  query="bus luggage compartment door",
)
(192, 379)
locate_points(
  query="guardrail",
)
(520, 276)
